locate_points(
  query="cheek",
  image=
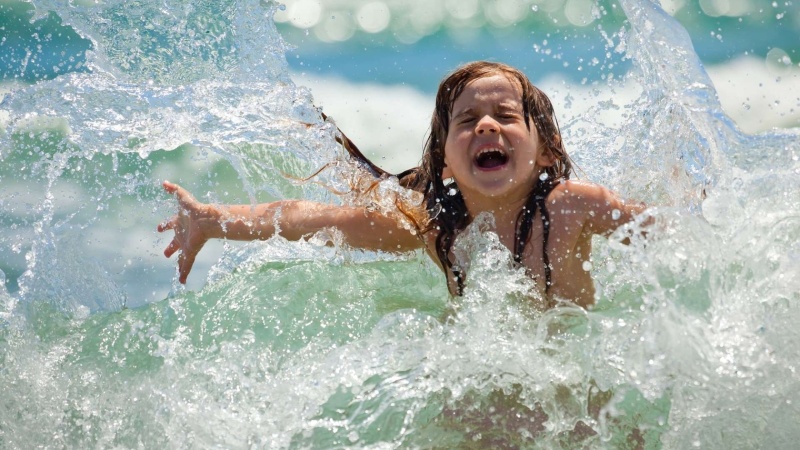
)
(521, 133)
(453, 155)
(456, 142)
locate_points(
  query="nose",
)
(487, 125)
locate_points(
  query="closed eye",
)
(465, 119)
(509, 115)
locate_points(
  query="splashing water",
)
(692, 342)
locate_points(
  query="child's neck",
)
(505, 214)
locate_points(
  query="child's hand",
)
(194, 224)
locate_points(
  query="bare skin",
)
(487, 116)
(196, 223)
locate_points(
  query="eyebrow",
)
(512, 105)
(462, 112)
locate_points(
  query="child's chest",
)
(567, 252)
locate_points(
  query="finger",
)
(168, 224)
(185, 263)
(169, 187)
(173, 247)
(185, 199)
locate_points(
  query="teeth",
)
(491, 157)
(491, 150)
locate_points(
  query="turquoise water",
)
(693, 342)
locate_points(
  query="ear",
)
(546, 157)
(446, 173)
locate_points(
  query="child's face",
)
(489, 149)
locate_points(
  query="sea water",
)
(693, 341)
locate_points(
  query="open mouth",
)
(491, 158)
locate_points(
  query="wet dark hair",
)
(445, 205)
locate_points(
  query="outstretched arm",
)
(197, 222)
(603, 211)
(611, 211)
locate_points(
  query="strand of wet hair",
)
(525, 225)
(546, 234)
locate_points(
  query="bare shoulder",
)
(602, 209)
(581, 194)
(580, 188)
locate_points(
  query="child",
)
(494, 147)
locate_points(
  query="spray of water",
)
(692, 342)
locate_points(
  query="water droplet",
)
(615, 214)
(587, 266)
(535, 8)
(353, 436)
(543, 176)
